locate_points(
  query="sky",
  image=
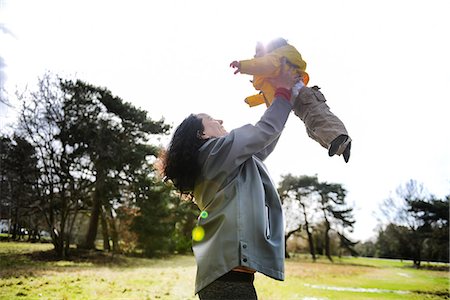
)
(383, 66)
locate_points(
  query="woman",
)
(240, 228)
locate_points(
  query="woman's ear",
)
(201, 135)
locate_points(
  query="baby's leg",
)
(321, 124)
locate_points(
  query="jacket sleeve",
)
(225, 154)
(263, 154)
(267, 65)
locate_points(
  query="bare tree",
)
(414, 216)
(59, 187)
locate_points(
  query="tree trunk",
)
(286, 237)
(417, 254)
(58, 243)
(9, 223)
(71, 223)
(93, 224)
(312, 250)
(327, 240)
(327, 229)
(95, 215)
(98, 199)
(16, 233)
(105, 231)
(114, 232)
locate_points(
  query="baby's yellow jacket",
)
(268, 66)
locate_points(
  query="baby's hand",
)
(236, 65)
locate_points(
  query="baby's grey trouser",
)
(321, 124)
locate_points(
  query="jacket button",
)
(244, 246)
(244, 260)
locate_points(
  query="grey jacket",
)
(244, 221)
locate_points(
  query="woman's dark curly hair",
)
(180, 164)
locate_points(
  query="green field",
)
(28, 272)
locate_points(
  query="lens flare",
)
(204, 214)
(198, 233)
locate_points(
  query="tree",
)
(113, 136)
(421, 222)
(18, 175)
(366, 249)
(90, 148)
(162, 218)
(60, 187)
(5, 191)
(434, 226)
(313, 196)
(185, 213)
(335, 211)
(392, 242)
(299, 190)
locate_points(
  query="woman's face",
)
(212, 127)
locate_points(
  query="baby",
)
(308, 103)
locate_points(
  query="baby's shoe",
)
(336, 143)
(346, 152)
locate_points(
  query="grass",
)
(28, 272)
(358, 278)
